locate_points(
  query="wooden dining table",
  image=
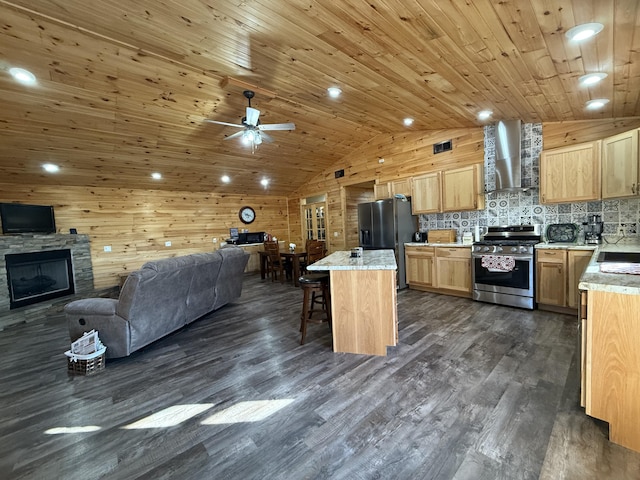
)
(294, 257)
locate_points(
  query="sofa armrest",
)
(99, 314)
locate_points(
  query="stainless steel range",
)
(503, 265)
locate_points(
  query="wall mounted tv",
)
(20, 218)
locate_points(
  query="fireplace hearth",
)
(37, 276)
(36, 280)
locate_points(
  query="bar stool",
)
(315, 287)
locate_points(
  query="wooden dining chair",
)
(275, 265)
(316, 250)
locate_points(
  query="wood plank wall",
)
(410, 154)
(405, 155)
(137, 223)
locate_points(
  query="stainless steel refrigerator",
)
(387, 224)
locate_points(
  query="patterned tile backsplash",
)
(524, 207)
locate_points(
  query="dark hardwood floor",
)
(472, 391)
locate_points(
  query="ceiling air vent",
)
(442, 147)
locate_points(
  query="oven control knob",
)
(514, 249)
(485, 249)
(499, 248)
(524, 249)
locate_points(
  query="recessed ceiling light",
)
(50, 167)
(225, 179)
(484, 114)
(597, 103)
(591, 79)
(334, 92)
(408, 122)
(23, 76)
(156, 176)
(584, 31)
(264, 182)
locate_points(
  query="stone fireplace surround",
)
(27, 243)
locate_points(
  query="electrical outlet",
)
(107, 248)
(215, 240)
(167, 243)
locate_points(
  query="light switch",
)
(107, 248)
(167, 243)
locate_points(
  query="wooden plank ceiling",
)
(123, 88)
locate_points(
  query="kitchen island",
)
(363, 300)
(610, 358)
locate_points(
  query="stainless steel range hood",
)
(508, 162)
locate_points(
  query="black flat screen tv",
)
(20, 218)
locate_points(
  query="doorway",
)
(354, 195)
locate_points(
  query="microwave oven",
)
(250, 237)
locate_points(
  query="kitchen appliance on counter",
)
(387, 224)
(593, 230)
(503, 265)
(420, 237)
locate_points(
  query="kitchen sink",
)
(619, 257)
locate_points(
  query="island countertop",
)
(370, 260)
(593, 279)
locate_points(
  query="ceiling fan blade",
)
(235, 135)
(278, 126)
(252, 116)
(225, 123)
(266, 138)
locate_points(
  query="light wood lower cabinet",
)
(420, 266)
(611, 364)
(439, 269)
(558, 272)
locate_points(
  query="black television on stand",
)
(21, 218)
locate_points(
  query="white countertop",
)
(370, 260)
(565, 246)
(593, 279)
(427, 244)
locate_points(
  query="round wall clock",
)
(247, 214)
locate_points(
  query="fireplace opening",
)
(38, 276)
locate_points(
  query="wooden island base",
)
(364, 315)
(363, 305)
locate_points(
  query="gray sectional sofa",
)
(161, 297)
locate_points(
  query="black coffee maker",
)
(593, 230)
(420, 237)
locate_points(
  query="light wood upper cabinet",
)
(462, 189)
(425, 194)
(452, 190)
(389, 189)
(381, 190)
(620, 165)
(570, 174)
(401, 187)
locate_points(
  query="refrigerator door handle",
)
(365, 237)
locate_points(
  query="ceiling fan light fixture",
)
(408, 121)
(597, 103)
(334, 92)
(591, 79)
(584, 31)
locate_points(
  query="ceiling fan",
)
(252, 130)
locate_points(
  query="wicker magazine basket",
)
(85, 364)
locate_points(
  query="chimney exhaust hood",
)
(508, 161)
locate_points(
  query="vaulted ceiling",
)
(124, 88)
